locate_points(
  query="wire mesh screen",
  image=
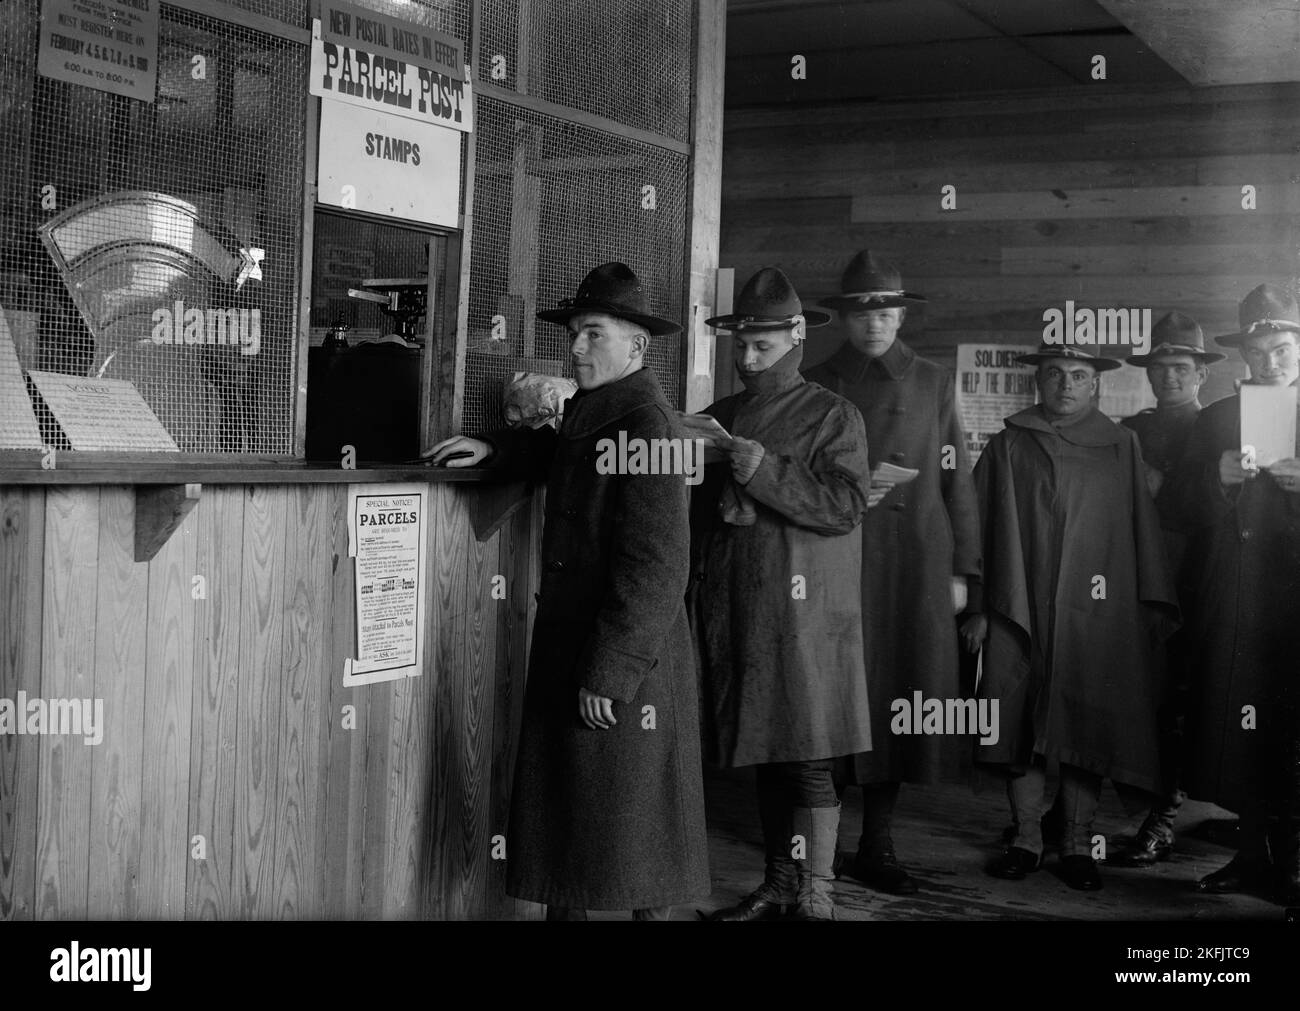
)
(449, 16)
(350, 250)
(552, 200)
(134, 244)
(627, 60)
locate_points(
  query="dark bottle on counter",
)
(335, 339)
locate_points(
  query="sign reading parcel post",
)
(386, 65)
(388, 542)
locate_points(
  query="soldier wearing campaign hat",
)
(777, 549)
(1073, 598)
(920, 547)
(1176, 367)
(1243, 720)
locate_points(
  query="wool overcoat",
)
(1245, 629)
(777, 603)
(1078, 597)
(914, 541)
(608, 819)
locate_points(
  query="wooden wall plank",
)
(343, 750)
(22, 577)
(260, 678)
(67, 672)
(308, 596)
(117, 776)
(169, 701)
(218, 533)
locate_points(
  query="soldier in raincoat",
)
(777, 556)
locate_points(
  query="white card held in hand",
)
(888, 473)
(705, 426)
(1268, 422)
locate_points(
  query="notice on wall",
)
(991, 387)
(388, 543)
(110, 45)
(371, 161)
(17, 422)
(1125, 392)
(106, 414)
(386, 65)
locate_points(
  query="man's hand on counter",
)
(458, 451)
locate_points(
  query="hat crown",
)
(1178, 329)
(867, 272)
(1268, 301)
(609, 288)
(769, 294)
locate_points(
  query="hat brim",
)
(656, 326)
(1100, 364)
(1204, 357)
(843, 303)
(1235, 340)
(812, 318)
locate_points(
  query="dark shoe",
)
(1079, 871)
(884, 874)
(1144, 851)
(1244, 873)
(750, 908)
(1014, 863)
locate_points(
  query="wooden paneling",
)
(67, 673)
(1131, 199)
(22, 547)
(117, 774)
(224, 713)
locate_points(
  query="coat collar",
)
(588, 411)
(1093, 429)
(781, 375)
(852, 364)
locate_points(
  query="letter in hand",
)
(458, 451)
(1286, 473)
(974, 630)
(1237, 467)
(958, 594)
(877, 492)
(596, 710)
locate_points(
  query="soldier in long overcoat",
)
(607, 808)
(1075, 600)
(920, 546)
(1176, 367)
(1243, 725)
(777, 553)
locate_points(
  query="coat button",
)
(1245, 534)
(897, 507)
(896, 457)
(554, 566)
(569, 513)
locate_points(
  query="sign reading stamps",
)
(102, 413)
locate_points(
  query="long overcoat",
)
(1245, 630)
(1078, 597)
(608, 819)
(920, 536)
(777, 602)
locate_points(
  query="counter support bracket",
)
(159, 510)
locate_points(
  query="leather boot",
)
(819, 827)
(875, 864)
(1248, 871)
(776, 895)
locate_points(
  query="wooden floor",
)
(945, 834)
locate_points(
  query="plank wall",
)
(1127, 198)
(224, 714)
